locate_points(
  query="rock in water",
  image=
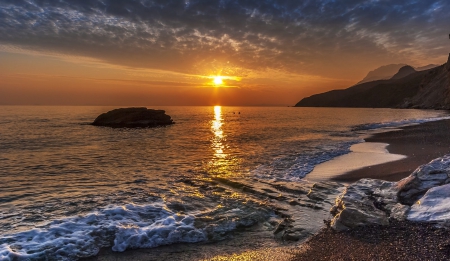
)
(133, 118)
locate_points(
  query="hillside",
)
(382, 73)
(387, 71)
(429, 89)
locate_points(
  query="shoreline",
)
(420, 143)
(403, 240)
(362, 155)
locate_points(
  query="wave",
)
(122, 227)
(289, 168)
(294, 169)
(393, 124)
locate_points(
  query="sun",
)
(218, 80)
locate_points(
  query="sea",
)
(69, 189)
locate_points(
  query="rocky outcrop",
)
(133, 118)
(367, 201)
(423, 196)
(403, 72)
(427, 176)
(433, 207)
(428, 89)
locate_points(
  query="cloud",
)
(194, 36)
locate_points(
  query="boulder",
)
(133, 118)
(367, 201)
(371, 201)
(433, 207)
(433, 174)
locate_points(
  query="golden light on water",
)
(224, 162)
(216, 127)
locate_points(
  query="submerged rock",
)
(133, 118)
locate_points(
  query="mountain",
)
(429, 89)
(382, 73)
(426, 67)
(403, 72)
(387, 71)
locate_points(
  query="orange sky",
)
(271, 53)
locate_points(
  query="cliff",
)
(429, 89)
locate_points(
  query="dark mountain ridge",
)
(403, 72)
(429, 89)
(386, 72)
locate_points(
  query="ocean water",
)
(69, 189)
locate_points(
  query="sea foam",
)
(123, 227)
(393, 124)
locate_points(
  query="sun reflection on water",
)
(224, 162)
(216, 127)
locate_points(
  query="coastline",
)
(404, 240)
(420, 143)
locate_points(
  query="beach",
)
(400, 240)
(224, 186)
(420, 143)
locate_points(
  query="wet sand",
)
(420, 143)
(362, 155)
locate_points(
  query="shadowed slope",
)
(424, 89)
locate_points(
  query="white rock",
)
(399, 212)
(433, 174)
(434, 206)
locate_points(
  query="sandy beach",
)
(420, 143)
(400, 240)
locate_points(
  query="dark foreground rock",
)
(398, 241)
(133, 118)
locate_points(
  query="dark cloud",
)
(189, 35)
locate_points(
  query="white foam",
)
(395, 124)
(303, 163)
(130, 226)
(122, 227)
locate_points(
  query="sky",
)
(171, 52)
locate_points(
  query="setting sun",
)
(218, 80)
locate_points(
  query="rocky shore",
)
(382, 220)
